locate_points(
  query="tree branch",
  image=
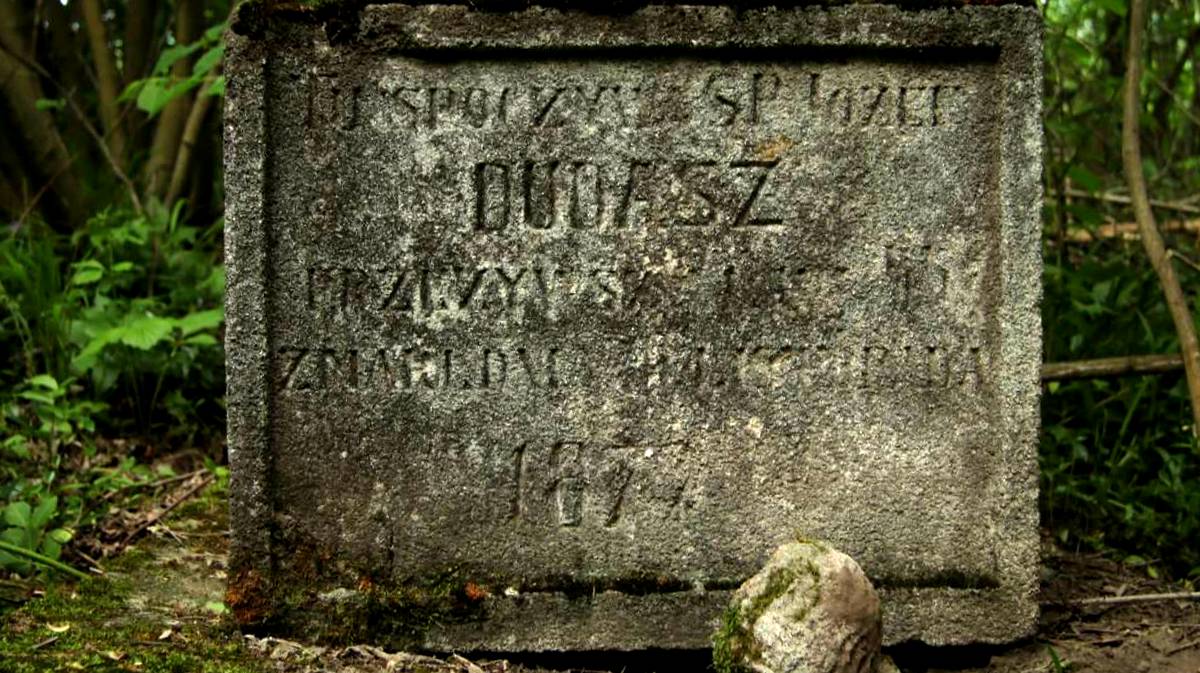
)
(1176, 206)
(171, 120)
(104, 150)
(109, 80)
(1162, 104)
(35, 129)
(191, 134)
(1131, 155)
(1105, 367)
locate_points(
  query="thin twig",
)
(45, 643)
(1128, 230)
(1137, 598)
(1175, 254)
(154, 484)
(1179, 648)
(112, 162)
(1178, 206)
(95, 566)
(1152, 241)
(156, 516)
(1118, 366)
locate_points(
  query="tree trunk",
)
(139, 37)
(169, 130)
(191, 136)
(35, 129)
(109, 80)
(142, 40)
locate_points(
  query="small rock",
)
(809, 610)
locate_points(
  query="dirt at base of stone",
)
(159, 610)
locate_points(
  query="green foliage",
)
(27, 527)
(154, 93)
(1120, 468)
(113, 331)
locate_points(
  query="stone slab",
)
(545, 328)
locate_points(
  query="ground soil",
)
(158, 608)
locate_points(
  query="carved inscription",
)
(541, 288)
(575, 483)
(647, 364)
(397, 369)
(882, 105)
(579, 194)
(736, 97)
(537, 106)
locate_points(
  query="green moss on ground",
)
(117, 622)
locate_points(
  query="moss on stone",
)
(733, 644)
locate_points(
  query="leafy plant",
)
(157, 91)
(29, 528)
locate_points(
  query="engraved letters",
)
(577, 194)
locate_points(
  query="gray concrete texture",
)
(570, 320)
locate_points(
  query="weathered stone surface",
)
(545, 328)
(811, 609)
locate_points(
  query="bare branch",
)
(191, 135)
(1128, 231)
(112, 161)
(1177, 206)
(1105, 367)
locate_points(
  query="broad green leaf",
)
(51, 548)
(87, 357)
(122, 267)
(17, 514)
(216, 606)
(50, 103)
(19, 445)
(88, 271)
(214, 33)
(201, 340)
(217, 88)
(60, 535)
(201, 320)
(44, 381)
(208, 61)
(40, 398)
(153, 96)
(131, 92)
(171, 55)
(145, 332)
(44, 511)
(14, 536)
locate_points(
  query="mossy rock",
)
(810, 608)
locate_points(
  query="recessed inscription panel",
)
(593, 311)
(621, 316)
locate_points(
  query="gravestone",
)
(546, 327)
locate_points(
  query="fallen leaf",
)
(58, 628)
(165, 635)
